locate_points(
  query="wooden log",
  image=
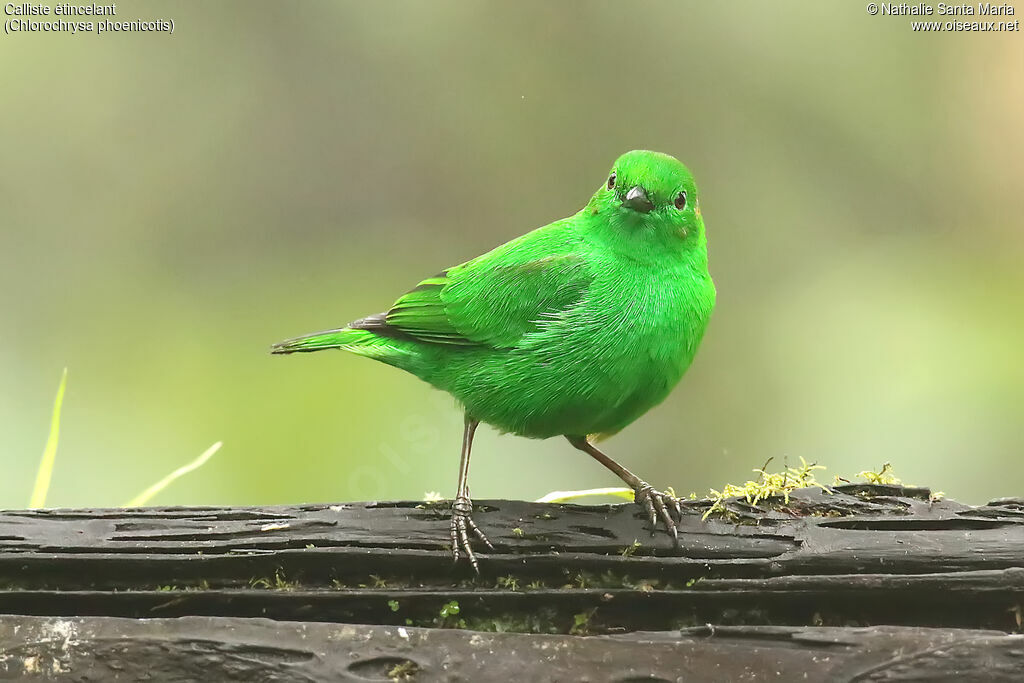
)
(101, 649)
(864, 583)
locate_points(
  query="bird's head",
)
(650, 196)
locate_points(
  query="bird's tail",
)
(318, 341)
(400, 353)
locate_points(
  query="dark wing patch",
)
(487, 304)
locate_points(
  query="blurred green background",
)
(172, 205)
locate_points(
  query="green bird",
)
(575, 329)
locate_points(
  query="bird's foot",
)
(462, 526)
(660, 506)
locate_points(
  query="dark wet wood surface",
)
(868, 583)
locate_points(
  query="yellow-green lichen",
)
(767, 485)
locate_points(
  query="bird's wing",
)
(491, 301)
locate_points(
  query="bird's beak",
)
(637, 200)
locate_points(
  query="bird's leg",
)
(657, 504)
(462, 523)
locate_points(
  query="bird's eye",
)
(611, 181)
(680, 201)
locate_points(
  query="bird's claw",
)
(461, 527)
(660, 506)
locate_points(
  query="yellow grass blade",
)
(45, 471)
(566, 496)
(145, 496)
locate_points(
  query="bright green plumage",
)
(576, 328)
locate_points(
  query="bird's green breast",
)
(595, 367)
